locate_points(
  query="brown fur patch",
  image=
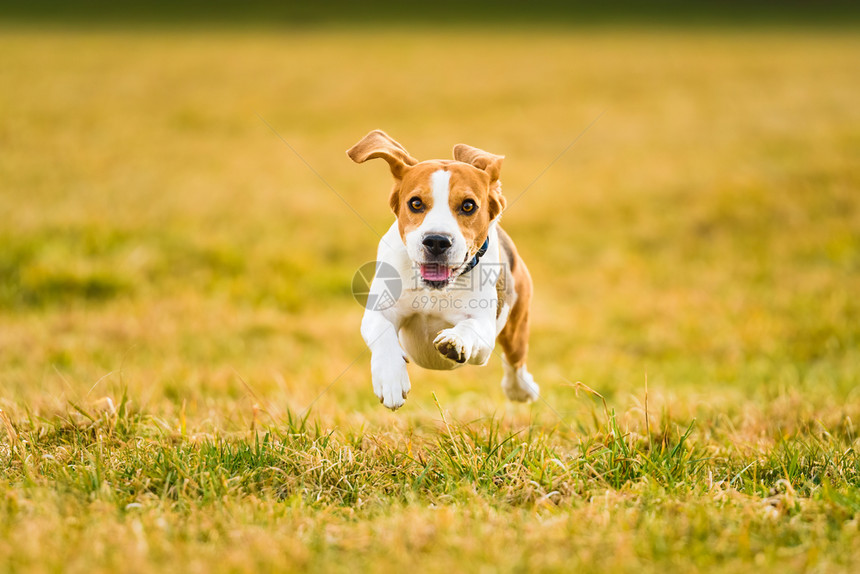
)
(514, 337)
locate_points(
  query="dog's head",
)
(444, 208)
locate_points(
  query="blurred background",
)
(682, 181)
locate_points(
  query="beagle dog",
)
(461, 285)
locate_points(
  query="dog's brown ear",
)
(490, 163)
(379, 144)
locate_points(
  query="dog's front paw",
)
(451, 345)
(390, 380)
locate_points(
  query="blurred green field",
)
(183, 383)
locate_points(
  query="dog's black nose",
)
(437, 244)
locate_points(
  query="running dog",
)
(464, 286)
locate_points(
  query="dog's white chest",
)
(420, 314)
(416, 336)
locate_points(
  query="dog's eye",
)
(416, 205)
(468, 206)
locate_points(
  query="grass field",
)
(182, 381)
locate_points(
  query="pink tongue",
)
(433, 272)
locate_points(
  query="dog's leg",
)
(387, 360)
(470, 340)
(517, 382)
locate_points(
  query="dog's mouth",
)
(436, 275)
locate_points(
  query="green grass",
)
(677, 500)
(183, 384)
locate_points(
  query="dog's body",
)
(464, 286)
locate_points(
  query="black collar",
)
(477, 257)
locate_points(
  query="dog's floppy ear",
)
(379, 144)
(490, 163)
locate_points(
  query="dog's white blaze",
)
(440, 218)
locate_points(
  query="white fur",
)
(463, 315)
(518, 384)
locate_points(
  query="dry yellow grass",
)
(159, 241)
